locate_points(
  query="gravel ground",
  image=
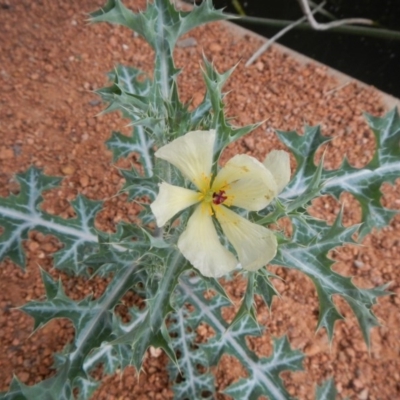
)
(50, 61)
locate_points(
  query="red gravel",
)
(50, 61)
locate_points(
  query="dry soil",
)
(51, 61)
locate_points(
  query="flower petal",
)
(254, 244)
(170, 200)
(200, 244)
(192, 154)
(248, 184)
(278, 162)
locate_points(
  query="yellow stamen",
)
(206, 208)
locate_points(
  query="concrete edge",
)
(388, 100)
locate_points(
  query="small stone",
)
(260, 66)
(113, 41)
(6, 154)
(312, 350)
(68, 170)
(155, 353)
(33, 246)
(84, 180)
(357, 384)
(358, 264)
(23, 377)
(48, 247)
(197, 99)
(249, 142)
(17, 150)
(215, 47)
(49, 68)
(188, 42)
(35, 76)
(350, 352)
(130, 381)
(94, 102)
(363, 395)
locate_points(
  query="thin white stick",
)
(274, 38)
(322, 27)
(322, 12)
(336, 88)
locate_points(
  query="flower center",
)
(219, 197)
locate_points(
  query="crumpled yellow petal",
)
(254, 244)
(200, 244)
(170, 200)
(278, 163)
(247, 183)
(192, 154)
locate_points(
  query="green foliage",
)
(147, 261)
(263, 373)
(326, 391)
(21, 214)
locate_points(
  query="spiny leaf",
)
(14, 392)
(294, 207)
(54, 388)
(326, 391)
(18, 213)
(269, 383)
(365, 184)
(264, 287)
(70, 256)
(137, 186)
(312, 239)
(86, 387)
(115, 12)
(92, 320)
(21, 214)
(246, 309)
(161, 12)
(226, 133)
(303, 148)
(187, 376)
(56, 306)
(263, 373)
(128, 92)
(117, 250)
(307, 252)
(161, 26)
(152, 331)
(111, 357)
(51, 287)
(122, 146)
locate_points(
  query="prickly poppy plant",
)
(200, 222)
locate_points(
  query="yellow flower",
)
(243, 182)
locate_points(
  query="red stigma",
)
(219, 198)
